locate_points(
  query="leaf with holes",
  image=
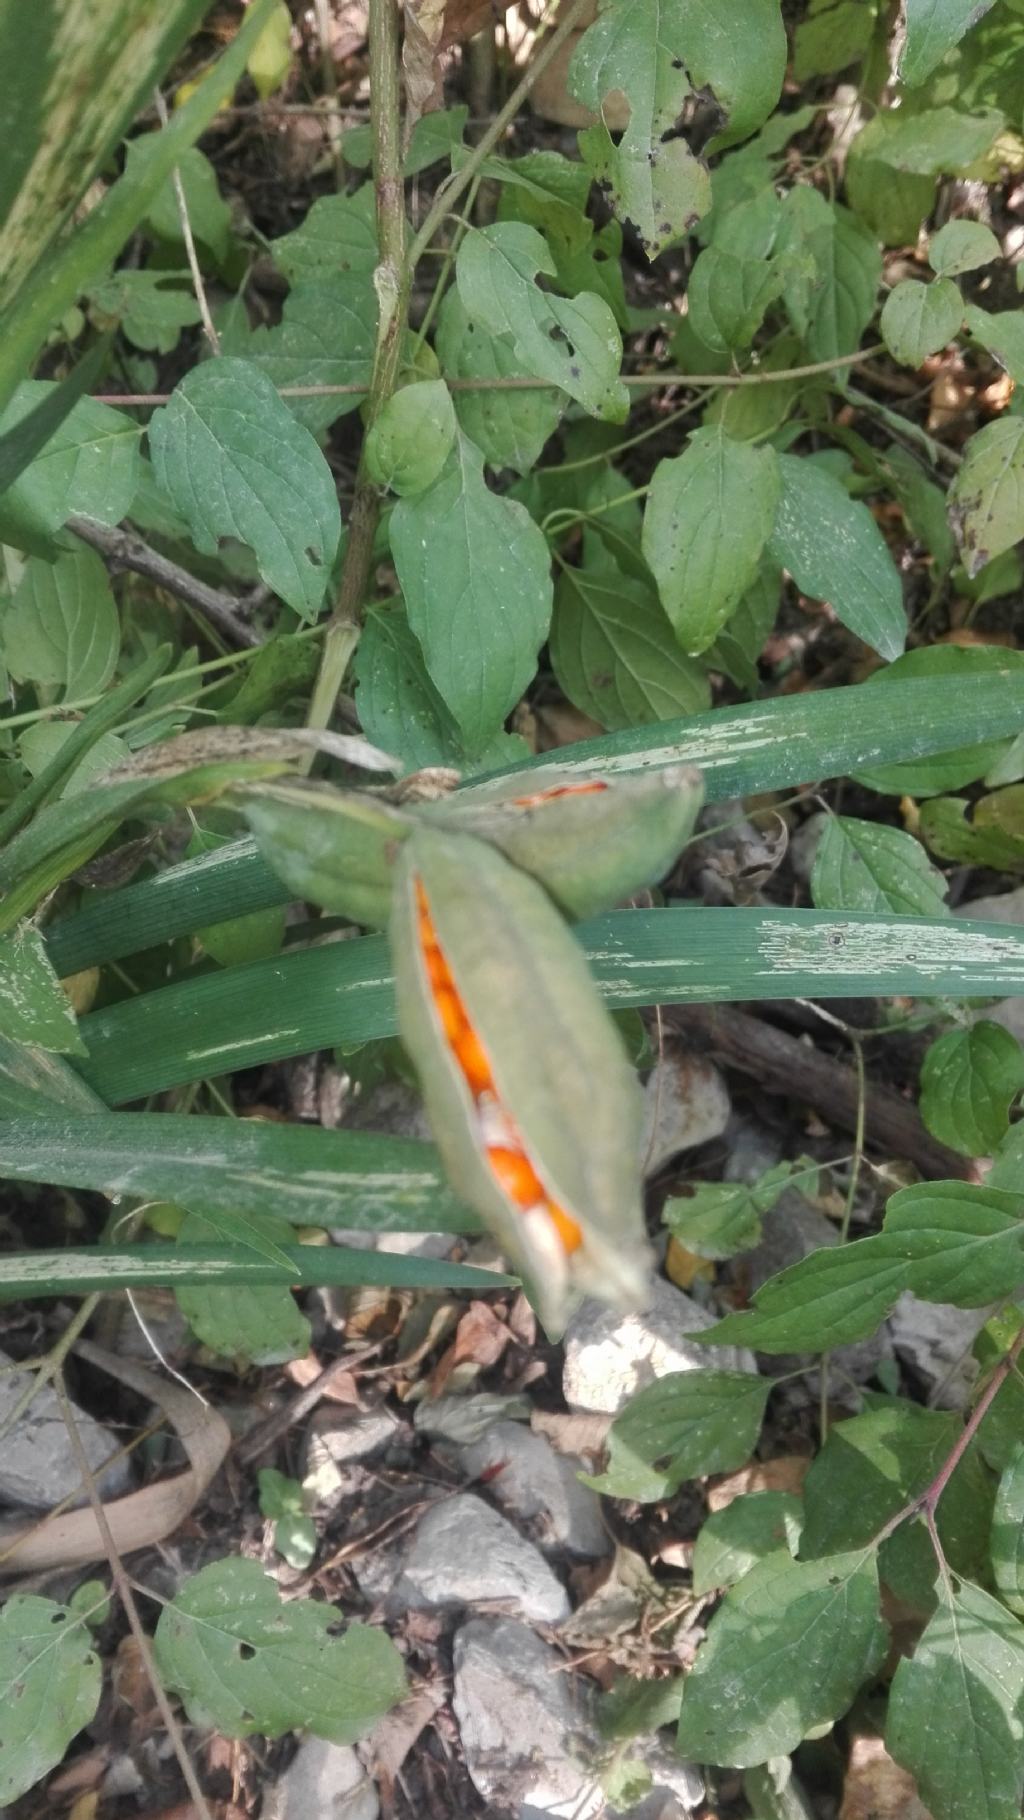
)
(243, 1660)
(50, 1684)
(684, 1425)
(62, 629)
(709, 515)
(657, 52)
(986, 500)
(475, 572)
(919, 319)
(613, 650)
(511, 427)
(338, 234)
(325, 338)
(969, 1080)
(955, 1709)
(235, 463)
(786, 1652)
(151, 307)
(863, 865)
(834, 551)
(572, 342)
(733, 1540)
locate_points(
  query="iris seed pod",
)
(333, 847)
(590, 840)
(533, 1103)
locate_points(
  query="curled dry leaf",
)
(143, 1517)
(431, 28)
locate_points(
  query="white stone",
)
(325, 1782)
(538, 1486)
(935, 1340)
(38, 1468)
(686, 1103)
(335, 1443)
(465, 1553)
(609, 1356)
(525, 1723)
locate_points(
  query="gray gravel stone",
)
(465, 1553)
(324, 1782)
(609, 1356)
(525, 1724)
(538, 1486)
(334, 1444)
(686, 1103)
(935, 1340)
(37, 1465)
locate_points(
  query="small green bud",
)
(408, 445)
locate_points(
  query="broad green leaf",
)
(891, 203)
(732, 1541)
(653, 52)
(244, 1660)
(546, 191)
(924, 504)
(831, 38)
(944, 824)
(1007, 1543)
(208, 213)
(933, 27)
(969, 1080)
(1000, 1433)
(918, 319)
(986, 500)
(434, 137)
(681, 1427)
(954, 1709)
(834, 551)
(317, 997)
(729, 296)
(36, 1009)
(299, 1173)
(399, 707)
(58, 278)
(866, 866)
(62, 628)
(338, 234)
(75, 82)
(632, 1707)
(511, 427)
(940, 140)
(739, 644)
(20, 444)
(958, 764)
(572, 342)
(963, 1243)
(786, 1651)
(709, 514)
(718, 1219)
(613, 650)
(261, 1326)
(834, 1296)
(325, 337)
(475, 573)
(752, 747)
(151, 307)
(235, 463)
(1002, 333)
(90, 465)
(50, 1686)
(841, 302)
(874, 1465)
(40, 746)
(408, 443)
(962, 246)
(78, 1270)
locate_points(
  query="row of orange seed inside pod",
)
(533, 1102)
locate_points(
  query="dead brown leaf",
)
(572, 1434)
(787, 1473)
(876, 1788)
(432, 27)
(391, 1741)
(480, 1339)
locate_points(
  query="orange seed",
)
(515, 1175)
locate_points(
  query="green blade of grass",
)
(88, 1267)
(795, 739)
(353, 1179)
(342, 992)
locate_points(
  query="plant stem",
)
(392, 280)
(188, 237)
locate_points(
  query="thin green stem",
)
(446, 266)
